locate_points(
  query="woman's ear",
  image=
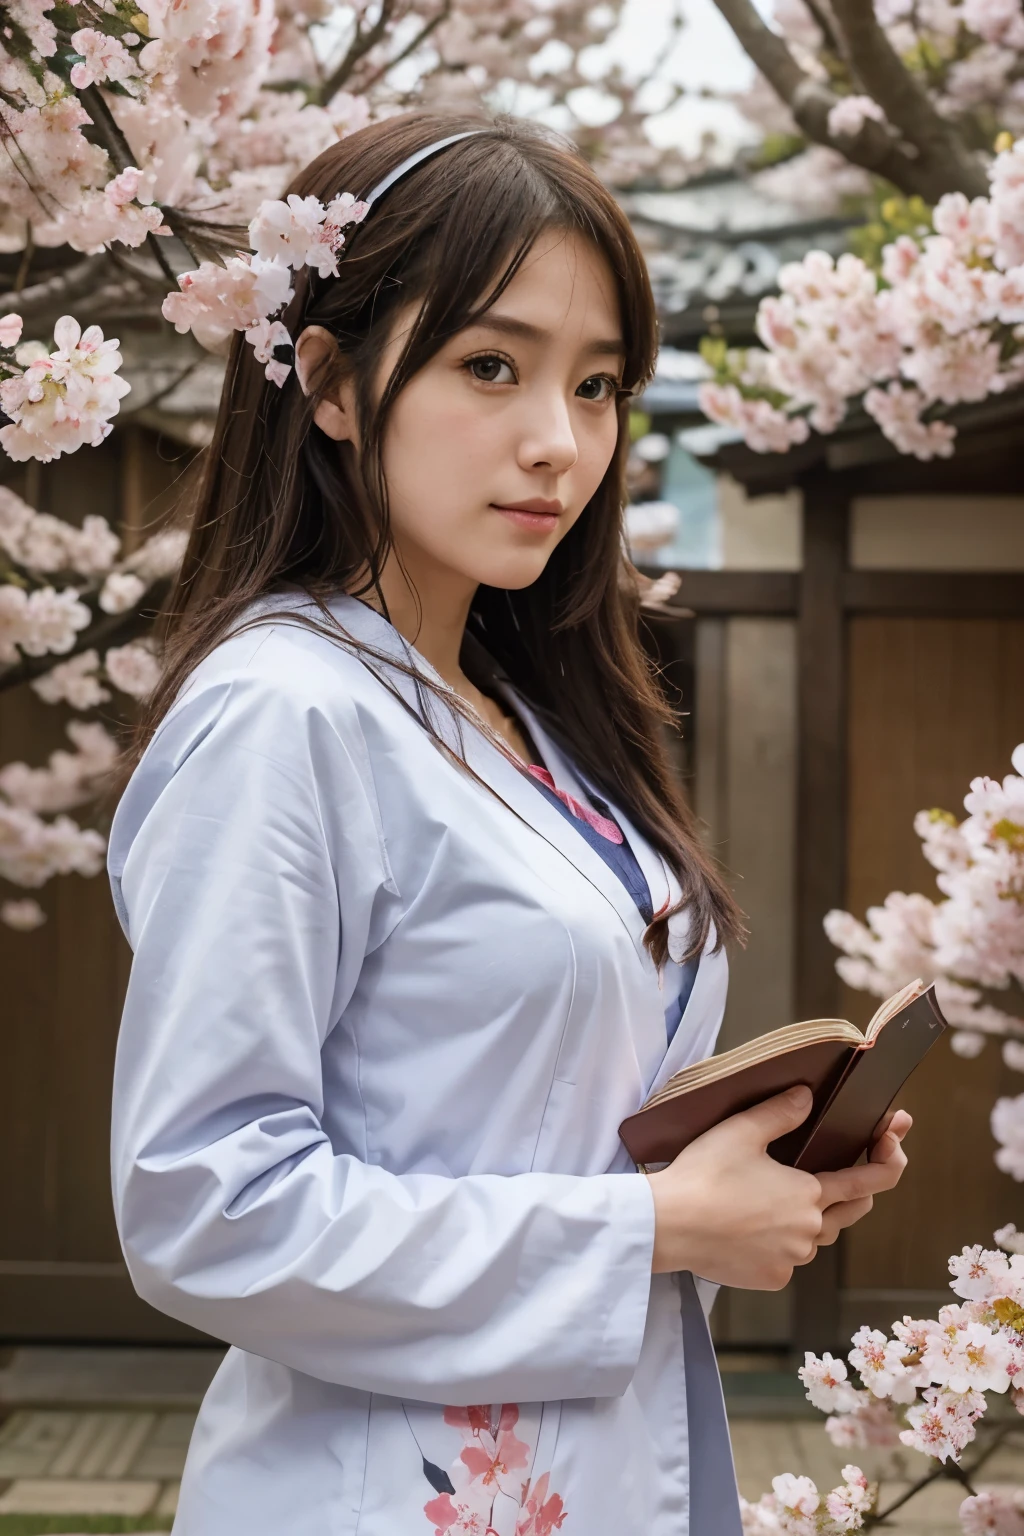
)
(337, 416)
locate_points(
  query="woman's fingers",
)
(848, 1195)
(891, 1137)
(842, 1215)
(868, 1179)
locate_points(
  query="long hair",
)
(276, 505)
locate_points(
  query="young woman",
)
(419, 914)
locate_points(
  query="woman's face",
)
(515, 412)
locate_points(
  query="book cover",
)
(853, 1078)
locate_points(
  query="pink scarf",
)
(600, 824)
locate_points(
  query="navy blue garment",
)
(675, 1010)
(619, 857)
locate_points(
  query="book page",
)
(892, 1006)
(790, 1038)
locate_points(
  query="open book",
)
(854, 1078)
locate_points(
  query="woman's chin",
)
(513, 574)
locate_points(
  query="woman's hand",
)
(727, 1211)
(888, 1152)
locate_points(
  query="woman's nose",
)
(548, 439)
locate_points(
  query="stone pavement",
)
(103, 1433)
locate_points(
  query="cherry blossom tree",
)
(929, 1383)
(148, 146)
(970, 943)
(915, 106)
(926, 1385)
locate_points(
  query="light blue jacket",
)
(384, 1019)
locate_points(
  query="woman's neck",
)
(429, 606)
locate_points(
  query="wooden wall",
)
(61, 1274)
(932, 702)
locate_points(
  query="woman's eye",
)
(488, 368)
(599, 381)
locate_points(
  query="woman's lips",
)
(535, 522)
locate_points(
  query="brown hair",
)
(277, 505)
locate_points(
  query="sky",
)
(706, 58)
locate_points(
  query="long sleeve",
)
(252, 878)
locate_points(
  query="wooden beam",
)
(946, 594)
(77, 1303)
(820, 827)
(983, 594)
(821, 810)
(734, 592)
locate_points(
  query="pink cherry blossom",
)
(75, 682)
(64, 398)
(23, 916)
(160, 555)
(69, 778)
(997, 21)
(827, 1385)
(10, 329)
(132, 668)
(214, 301)
(850, 114)
(942, 1425)
(121, 591)
(965, 222)
(766, 429)
(1007, 1121)
(964, 1356)
(105, 58)
(992, 1513)
(879, 1362)
(33, 850)
(847, 1504)
(927, 334)
(979, 1273)
(797, 1494)
(872, 1422)
(50, 621)
(796, 1508)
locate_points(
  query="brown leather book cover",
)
(853, 1086)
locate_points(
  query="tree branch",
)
(810, 101)
(114, 141)
(410, 47)
(825, 22)
(120, 152)
(358, 48)
(945, 161)
(56, 292)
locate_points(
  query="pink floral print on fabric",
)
(492, 1461)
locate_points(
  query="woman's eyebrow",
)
(508, 325)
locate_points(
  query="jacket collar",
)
(509, 783)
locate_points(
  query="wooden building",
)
(61, 1272)
(858, 656)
